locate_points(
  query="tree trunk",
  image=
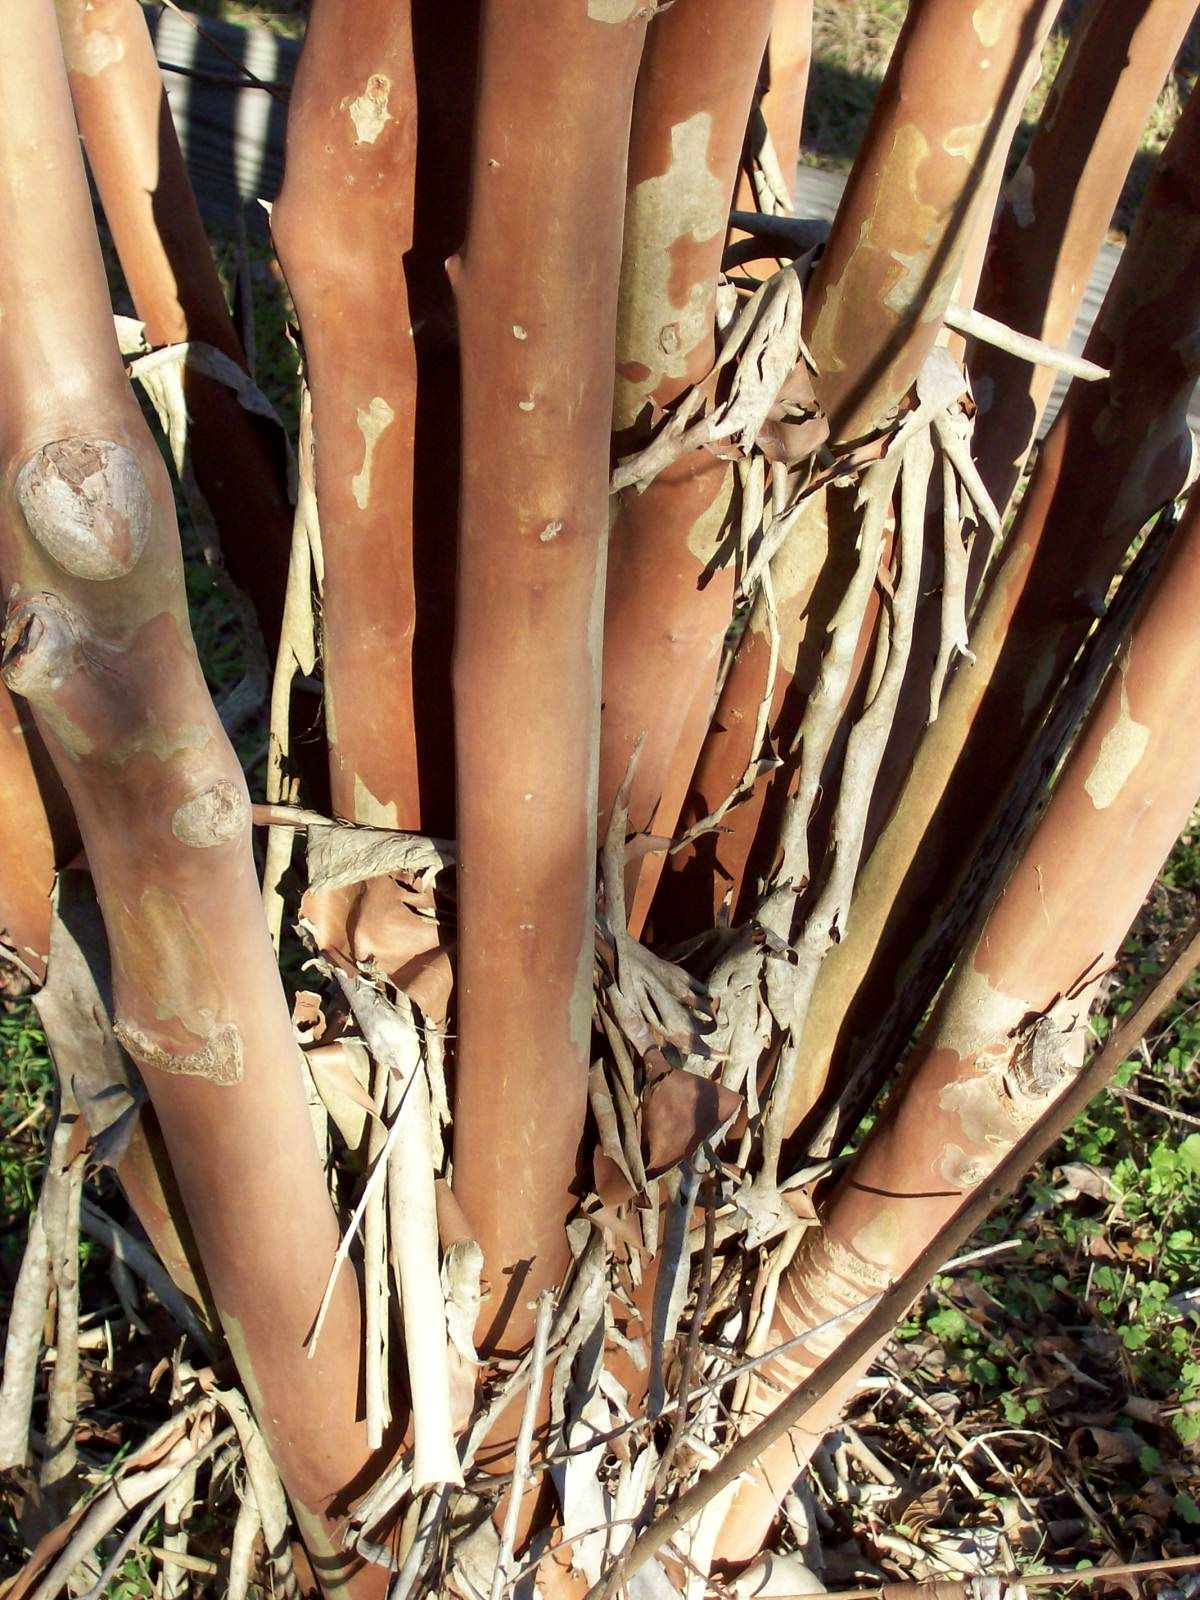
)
(97, 640)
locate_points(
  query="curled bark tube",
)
(1012, 1027)
(1056, 210)
(537, 396)
(134, 154)
(669, 592)
(1118, 450)
(97, 640)
(372, 203)
(915, 201)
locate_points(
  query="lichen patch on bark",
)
(219, 1058)
(87, 503)
(372, 423)
(369, 111)
(216, 815)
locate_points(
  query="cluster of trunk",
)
(617, 529)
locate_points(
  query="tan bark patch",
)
(1121, 749)
(372, 422)
(369, 111)
(654, 328)
(87, 503)
(215, 816)
(219, 1059)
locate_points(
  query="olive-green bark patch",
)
(372, 422)
(161, 952)
(655, 328)
(1121, 749)
(976, 1017)
(879, 1239)
(988, 20)
(216, 815)
(155, 740)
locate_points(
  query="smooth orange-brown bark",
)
(669, 591)
(536, 286)
(97, 640)
(133, 151)
(372, 204)
(1056, 210)
(1012, 1026)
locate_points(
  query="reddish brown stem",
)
(537, 392)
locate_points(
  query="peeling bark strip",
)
(373, 202)
(131, 145)
(669, 593)
(893, 256)
(871, 315)
(1056, 210)
(527, 658)
(1011, 1029)
(108, 665)
(1118, 450)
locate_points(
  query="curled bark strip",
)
(987, 330)
(23, 1343)
(269, 1499)
(524, 1447)
(414, 1244)
(64, 1183)
(140, 1261)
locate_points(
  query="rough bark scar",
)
(216, 815)
(369, 110)
(41, 645)
(87, 503)
(219, 1058)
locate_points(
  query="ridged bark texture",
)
(536, 289)
(133, 151)
(1119, 450)
(669, 593)
(1012, 1026)
(372, 204)
(97, 640)
(1056, 210)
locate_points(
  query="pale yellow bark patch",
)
(368, 111)
(653, 330)
(372, 423)
(879, 1239)
(86, 50)
(988, 21)
(1121, 749)
(612, 10)
(375, 813)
